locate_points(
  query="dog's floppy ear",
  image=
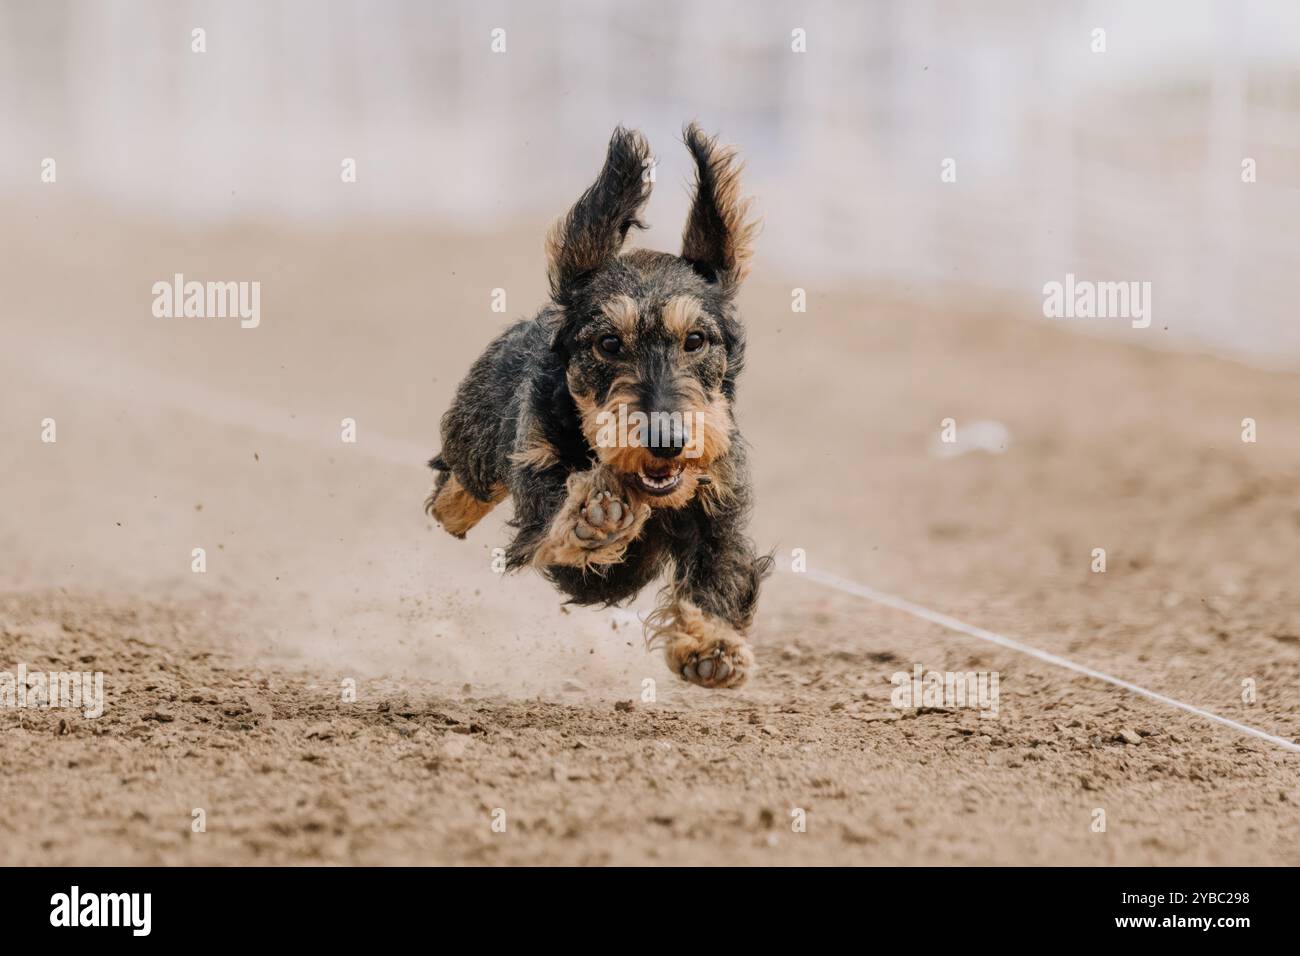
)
(593, 231)
(719, 238)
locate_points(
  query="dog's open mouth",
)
(660, 479)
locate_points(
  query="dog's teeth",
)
(659, 481)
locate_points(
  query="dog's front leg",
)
(591, 523)
(704, 620)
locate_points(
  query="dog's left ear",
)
(719, 237)
(594, 230)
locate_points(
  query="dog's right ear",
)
(593, 231)
(719, 237)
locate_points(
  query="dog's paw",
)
(725, 663)
(603, 519)
(699, 648)
(596, 524)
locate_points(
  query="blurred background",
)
(1122, 165)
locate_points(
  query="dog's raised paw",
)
(603, 519)
(596, 524)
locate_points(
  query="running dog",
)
(607, 418)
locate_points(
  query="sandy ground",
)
(478, 698)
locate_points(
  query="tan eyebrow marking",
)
(621, 311)
(681, 313)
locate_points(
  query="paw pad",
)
(602, 520)
(724, 664)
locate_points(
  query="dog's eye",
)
(694, 341)
(610, 345)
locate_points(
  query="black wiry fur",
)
(520, 394)
(595, 228)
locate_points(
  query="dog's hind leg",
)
(452, 506)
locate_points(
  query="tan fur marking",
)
(540, 456)
(720, 490)
(687, 635)
(715, 412)
(554, 246)
(717, 429)
(457, 510)
(622, 312)
(681, 313)
(534, 451)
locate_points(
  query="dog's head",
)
(651, 341)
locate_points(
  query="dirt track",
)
(476, 692)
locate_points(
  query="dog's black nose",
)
(668, 440)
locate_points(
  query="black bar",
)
(333, 906)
